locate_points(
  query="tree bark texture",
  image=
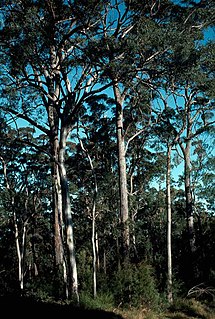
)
(123, 192)
(72, 267)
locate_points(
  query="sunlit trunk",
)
(169, 226)
(97, 250)
(94, 231)
(72, 267)
(94, 252)
(94, 238)
(20, 252)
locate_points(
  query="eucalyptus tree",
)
(182, 75)
(117, 52)
(169, 129)
(197, 107)
(53, 53)
(188, 104)
(92, 164)
(137, 37)
(202, 178)
(22, 199)
(48, 81)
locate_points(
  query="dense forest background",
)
(107, 150)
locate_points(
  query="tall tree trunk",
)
(93, 237)
(94, 249)
(72, 266)
(169, 225)
(189, 199)
(124, 213)
(59, 267)
(188, 195)
(191, 271)
(52, 106)
(57, 214)
(94, 229)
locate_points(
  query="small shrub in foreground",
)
(135, 286)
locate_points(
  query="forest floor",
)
(184, 309)
(27, 307)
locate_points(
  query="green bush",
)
(135, 286)
(102, 301)
(85, 273)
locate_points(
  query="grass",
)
(191, 308)
(181, 309)
(139, 314)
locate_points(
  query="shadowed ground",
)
(28, 308)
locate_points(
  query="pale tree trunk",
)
(124, 213)
(20, 250)
(53, 84)
(60, 258)
(169, 225)
(188, 195)
(97, 250)
(94, 249)
(186, 150)
(191, 271)
(94, 239)
(189, 199)
(72, 266)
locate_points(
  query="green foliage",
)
(135, 286)
(103, 301)
(84, 261)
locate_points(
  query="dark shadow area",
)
(24, 307)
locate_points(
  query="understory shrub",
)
(135, 286)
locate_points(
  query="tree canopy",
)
(100, 100)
